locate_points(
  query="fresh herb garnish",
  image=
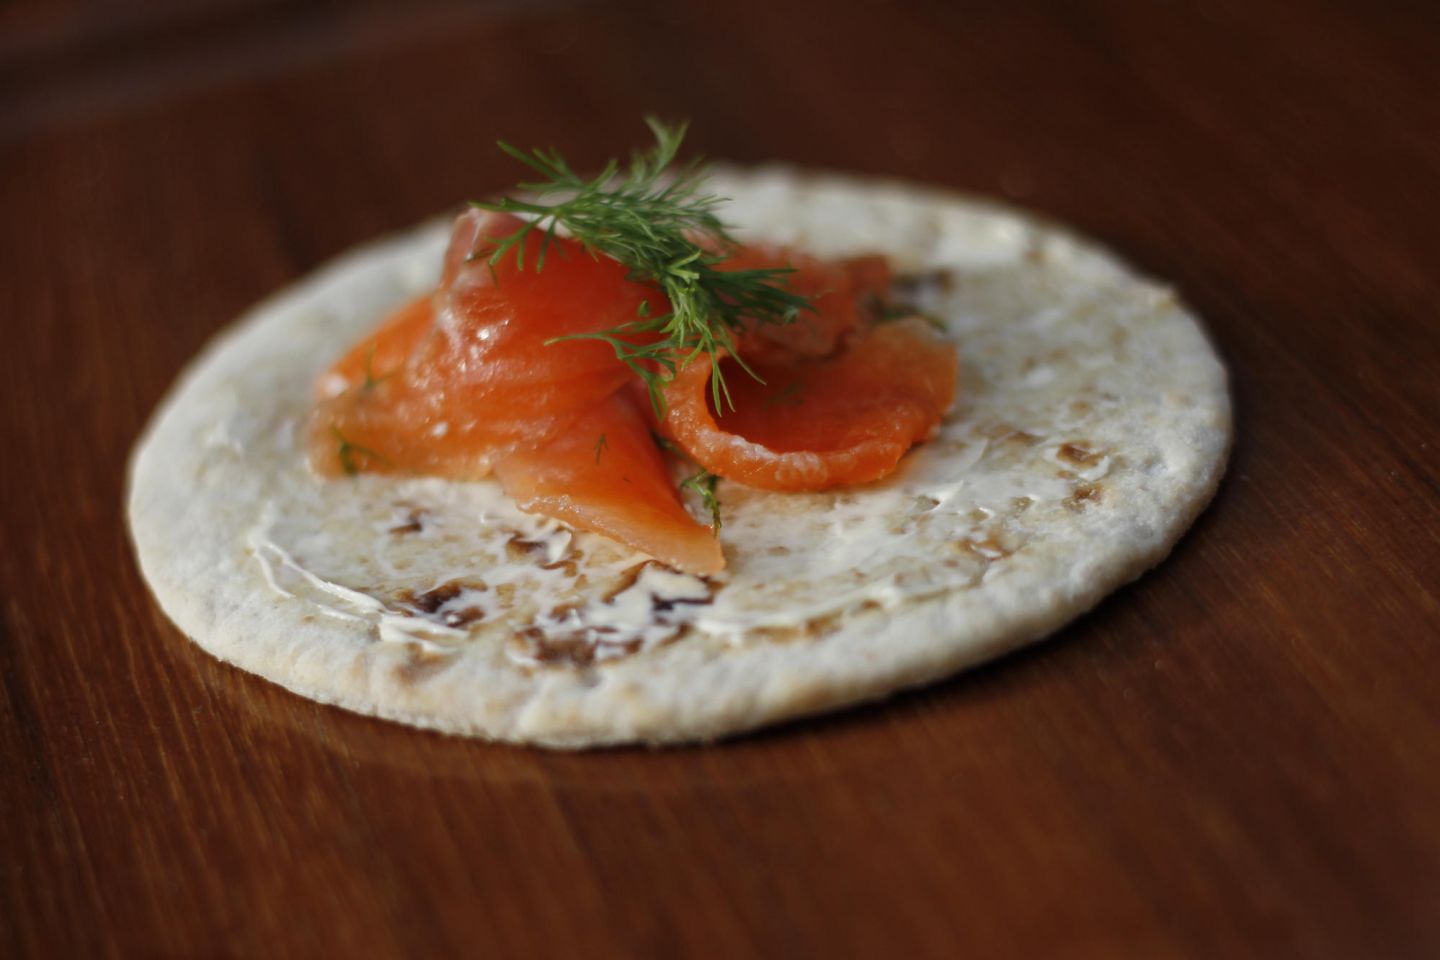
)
(704, 484)
(348, 451)
(600, 446)
(655, 220)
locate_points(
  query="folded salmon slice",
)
(380, 355)
(480, 378)
(604, 473)
(818, 422)
(844, 296)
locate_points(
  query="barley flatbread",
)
(1092, 426)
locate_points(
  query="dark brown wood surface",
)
(1237, 756)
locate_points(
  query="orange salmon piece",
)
(382, 353)
(818, 422)
(843, 296)
(604, 473)
(482, 379)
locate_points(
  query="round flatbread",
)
(1092, 426)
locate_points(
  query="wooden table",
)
(1237, 756)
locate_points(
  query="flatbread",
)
(1092, 426)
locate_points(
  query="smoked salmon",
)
(487, 376)
(483, 379)
(606, 474)
(844, 297)
(809, 423)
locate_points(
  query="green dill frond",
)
(704, 483)
(349, 451)
(653, 217)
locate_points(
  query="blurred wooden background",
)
(1237, 756)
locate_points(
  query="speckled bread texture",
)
(1092, 426)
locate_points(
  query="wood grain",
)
(1237, 756)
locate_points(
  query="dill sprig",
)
(655, 219)
(348, 452)
(704, 483)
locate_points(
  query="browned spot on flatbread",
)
(519, 549)
(1079, 454)
(988, 548)
(421, 664)
(661, 604)
(631, 576)
(628, 578)
(815, 628)
(414, 521)
(533, 643)
(431, 600)
(1008, 435)
(577, 648)
(1084, 495)
(429, 603)
(463, 618)
(581, 645)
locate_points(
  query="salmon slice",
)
(844, 296)
(482, 380)
(604, 473)
(818, 422)
(381, 354)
